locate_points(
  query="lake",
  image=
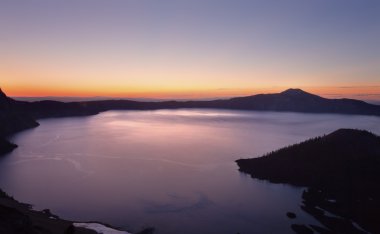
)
(173, 170)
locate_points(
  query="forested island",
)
(341, 171)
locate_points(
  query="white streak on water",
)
(77, 165)
(99, 228)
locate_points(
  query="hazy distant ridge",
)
(292, 100)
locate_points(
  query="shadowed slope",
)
(11, 121)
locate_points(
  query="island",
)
(341, 172)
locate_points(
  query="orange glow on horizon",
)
(357, 92)
(130, 92)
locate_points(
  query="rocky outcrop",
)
(12, 119)
(6, 146)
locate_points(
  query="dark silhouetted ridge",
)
(291, 100)
(13, 119)
(5, 102)
(317, 159)
(343, 166)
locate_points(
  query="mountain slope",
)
(13, 119)
(296, 100)
(292, 100)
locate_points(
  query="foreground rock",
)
(6, 146)
(342, 171)
(18, 218)
(12, 119)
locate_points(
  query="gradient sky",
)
(193, 48)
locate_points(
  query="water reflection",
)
(171, 169)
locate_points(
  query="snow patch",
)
(99, 228)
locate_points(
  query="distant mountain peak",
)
(2, 94)
(5, 101)
(294, 92)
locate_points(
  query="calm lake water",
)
(169, 169)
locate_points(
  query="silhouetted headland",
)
(341, 171)
(12, 120)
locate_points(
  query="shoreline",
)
(18, 217)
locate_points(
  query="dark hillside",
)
(343, 167)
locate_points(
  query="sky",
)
(189, 49)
